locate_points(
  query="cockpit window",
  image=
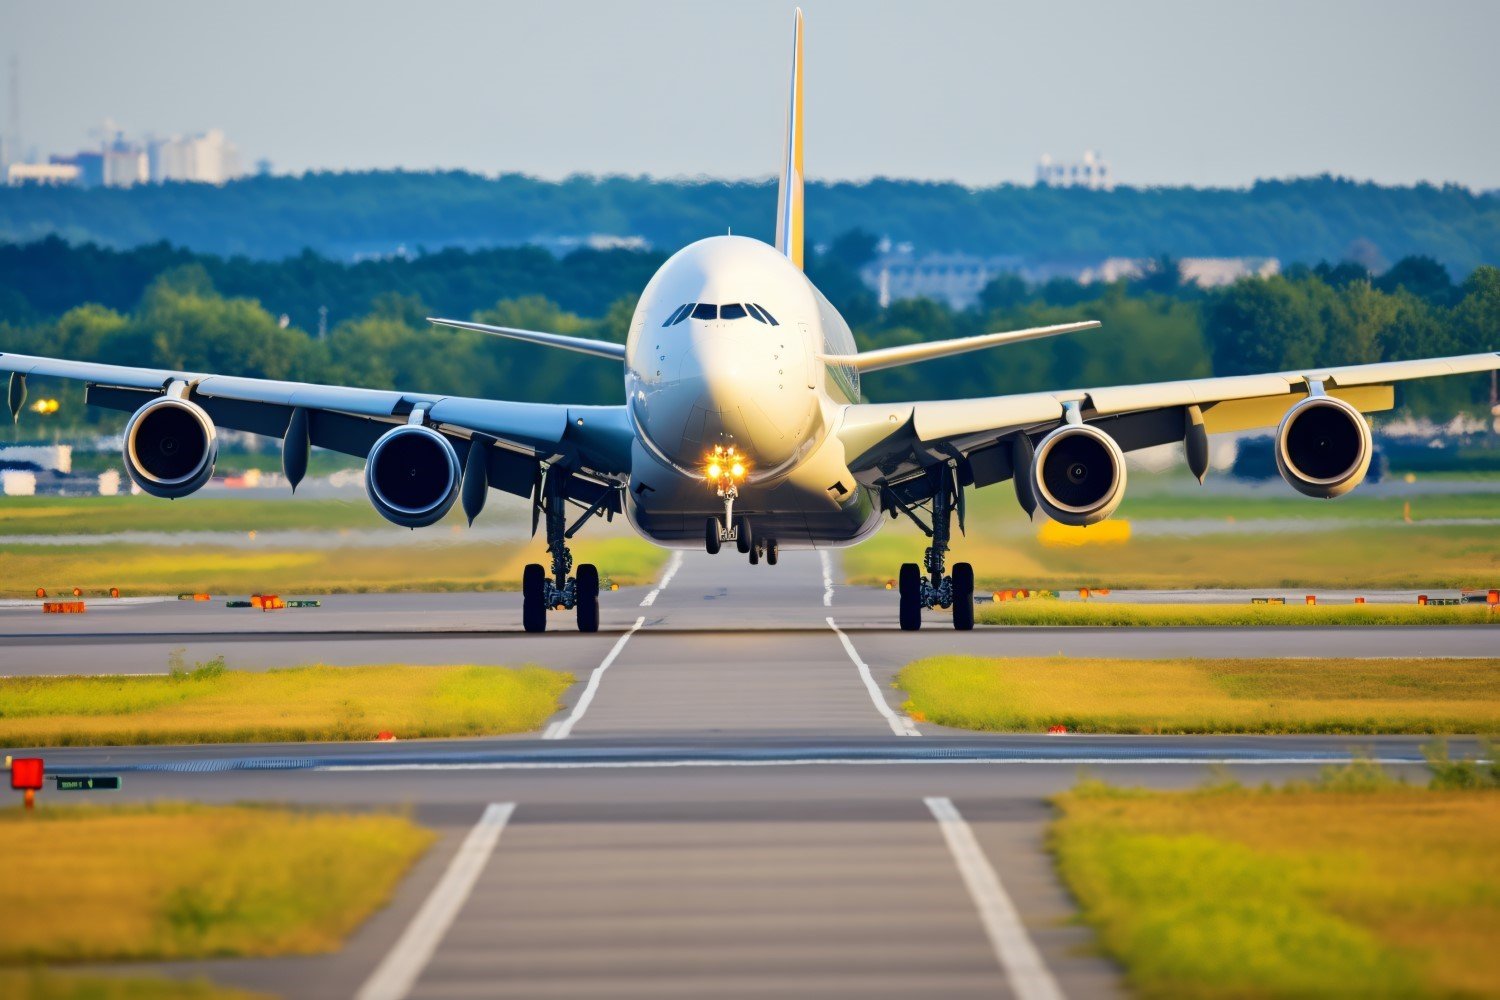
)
(728, 311)
(732, 310)
(705, 310)
(683, 313)
(677, 314)
(767, 314)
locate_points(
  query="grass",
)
(1399, 557)
(43, 984)
(1205, 696)
(213, 705)
(109, 515)
(1307, 891)
(128, 883)
(443, 566)
(1103, 613)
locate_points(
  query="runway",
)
(731, 802)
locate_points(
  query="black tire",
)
(755, 556)
(744, 538)
(963, 596)
(533, 598)
(773, 552)
(586, 595)
(711, 532)
(910, 580)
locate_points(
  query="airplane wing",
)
(593, 441)
(893, 445)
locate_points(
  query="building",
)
(1091, 172)
(206, 158)
(53, 174)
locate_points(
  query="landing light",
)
(724, 467)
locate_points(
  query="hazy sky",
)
(1171, 93)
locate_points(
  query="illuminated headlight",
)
(725, 467)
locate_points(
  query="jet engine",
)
(170, 447)
(1078, 475)
(412, 476)
(1323, 447)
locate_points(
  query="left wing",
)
(593, 441)
(889, 443)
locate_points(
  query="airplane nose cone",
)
(732, 390)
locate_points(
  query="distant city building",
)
(957, 278)
(1091, 172)
(206, 158)
(41, 173)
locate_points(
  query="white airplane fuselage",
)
(754, 384)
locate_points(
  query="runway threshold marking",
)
(560, 729)
(1024, 969)
(901, 725)
(827, 562)
(666, 578)
(394, 977)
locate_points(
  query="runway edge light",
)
(26, 775)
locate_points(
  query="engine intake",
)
(412, 476)
(170, 447)
(1323, 447)
(1078, 475)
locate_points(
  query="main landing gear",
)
(743, 537)
(579, 592)
(937, 589)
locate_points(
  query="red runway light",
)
(26, 773)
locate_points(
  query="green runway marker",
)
(304, 604)
(87, 783)
(236, 604)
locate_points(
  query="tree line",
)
(345, 215)
(166, 307)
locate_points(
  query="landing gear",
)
(713, 536)
(936, 589)
(773, 552)
(561, 591)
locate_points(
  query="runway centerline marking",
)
(827, 577)
(560, 729)
(666, 578)
(394, 977)
(1024, 969)
(901, 725)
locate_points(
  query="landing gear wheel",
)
(587, 597)
(743, 539)
(754, 555)
(712, 536)
(911, 597)
(773, 552)
(534, 598)
(963, 596)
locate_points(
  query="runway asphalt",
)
(730, 803)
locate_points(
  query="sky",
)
(1201, 93)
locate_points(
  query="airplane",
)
(743, 424)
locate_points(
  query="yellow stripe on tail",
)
(789, 197)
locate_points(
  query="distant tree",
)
(1341, 274)
(1004, 293)
(1162, 275)
(854, 248)
(1261, 325)
(1422, 276)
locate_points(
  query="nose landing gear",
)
(937, 589)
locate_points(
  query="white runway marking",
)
(397, 974)
(900, 724)
(613, 765)
(827, 577)
(1024, 968)
(666, 578)
(559, 730)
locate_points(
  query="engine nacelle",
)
(1323, 447)
(1078, 475)
(170, 447)
(412, 476)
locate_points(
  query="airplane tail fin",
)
(789, 197)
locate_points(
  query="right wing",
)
(583, 345)
(593, 442)
(888, 444)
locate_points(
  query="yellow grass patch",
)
(1289, 892)
(1206, 696)
(1055, 534)
(214, 705)
(43, 984)
(184, 881)
(1032, 611)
